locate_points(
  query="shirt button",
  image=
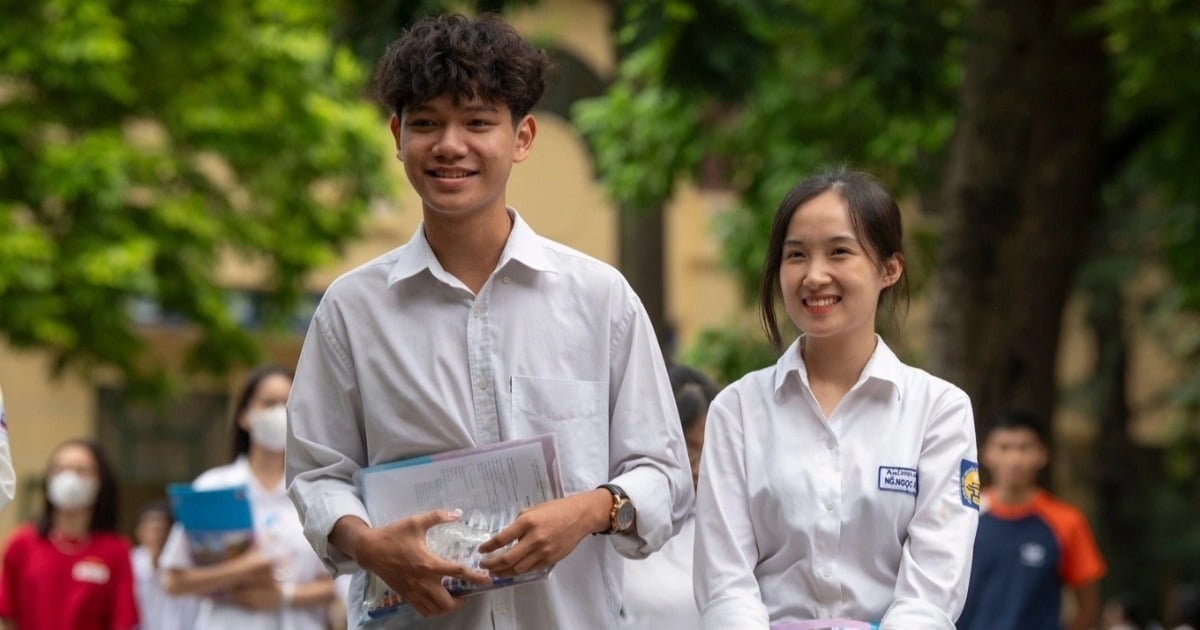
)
(483, 385)
(502, 609)
(506, 280)
(831, 445)
(476, 312)
(827, 572)
(828, 507)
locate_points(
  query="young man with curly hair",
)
(476, 331)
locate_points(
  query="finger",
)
(504, 564)
(435, 517)
(444, 568)
(469, 575)
(440, 601)
(504, 536)
(530, 562)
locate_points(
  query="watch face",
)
(625, 516)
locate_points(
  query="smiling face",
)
(458, 156)
(829, 278)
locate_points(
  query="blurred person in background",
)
(1030, 545)
(279, 583)
(157, 609)
(1183, 607)
(658, 588)
(71, 568)
(1124, 612)
(8, 479)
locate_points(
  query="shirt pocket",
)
(576, 412)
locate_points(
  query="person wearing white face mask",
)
(280, 583)
(8, 479)
(71, 569)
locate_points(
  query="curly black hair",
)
(464, 58)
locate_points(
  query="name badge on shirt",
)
(90, 571)
(897, 479)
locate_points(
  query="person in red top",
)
(1029, 545)
(70, 569)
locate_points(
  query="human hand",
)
(257, 596)
(546, 533)
(253, 569)
(398, 555)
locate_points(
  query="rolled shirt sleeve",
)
(325, 449)
(647, 455)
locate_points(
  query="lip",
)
(451, 174)
(820, 304)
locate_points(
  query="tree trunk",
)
(1022, 184)
(641, 260)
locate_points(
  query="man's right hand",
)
(398, 555)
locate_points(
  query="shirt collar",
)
(883, 365)
(523, 246)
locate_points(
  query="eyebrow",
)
(836, 240)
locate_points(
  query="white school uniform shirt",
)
(158, 609)
(277, 534)
(8, 478)
(869, 515)
(658, 589)
(402, 360)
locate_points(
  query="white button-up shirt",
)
(658, 589)
(402, 359)
(868, 515)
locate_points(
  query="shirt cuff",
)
(319, 519)
(646, 489)
(908, 613)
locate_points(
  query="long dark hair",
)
(241, 437)
(874, 217)
(104, 510)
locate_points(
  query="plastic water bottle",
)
(459, 540)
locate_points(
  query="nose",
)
(817, 273)
(451, 143)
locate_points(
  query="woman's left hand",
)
(257, 596)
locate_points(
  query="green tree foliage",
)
(876, 83)
(790, 87)
(141, 141)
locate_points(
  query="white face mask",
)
(268, 428)
(68, 490)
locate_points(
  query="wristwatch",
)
(620, 518)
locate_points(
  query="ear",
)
(1043, 457)
(243, 420)
(525, 133)
(394, 125)
(893, 268)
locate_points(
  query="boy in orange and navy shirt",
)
(1029, 544)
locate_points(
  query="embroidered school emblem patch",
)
(968, 481)
(896, 479)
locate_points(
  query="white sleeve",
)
(176, 553)
(935, 563)
(647, 456)
(325, 446)
(726, 552)
(8, 478)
